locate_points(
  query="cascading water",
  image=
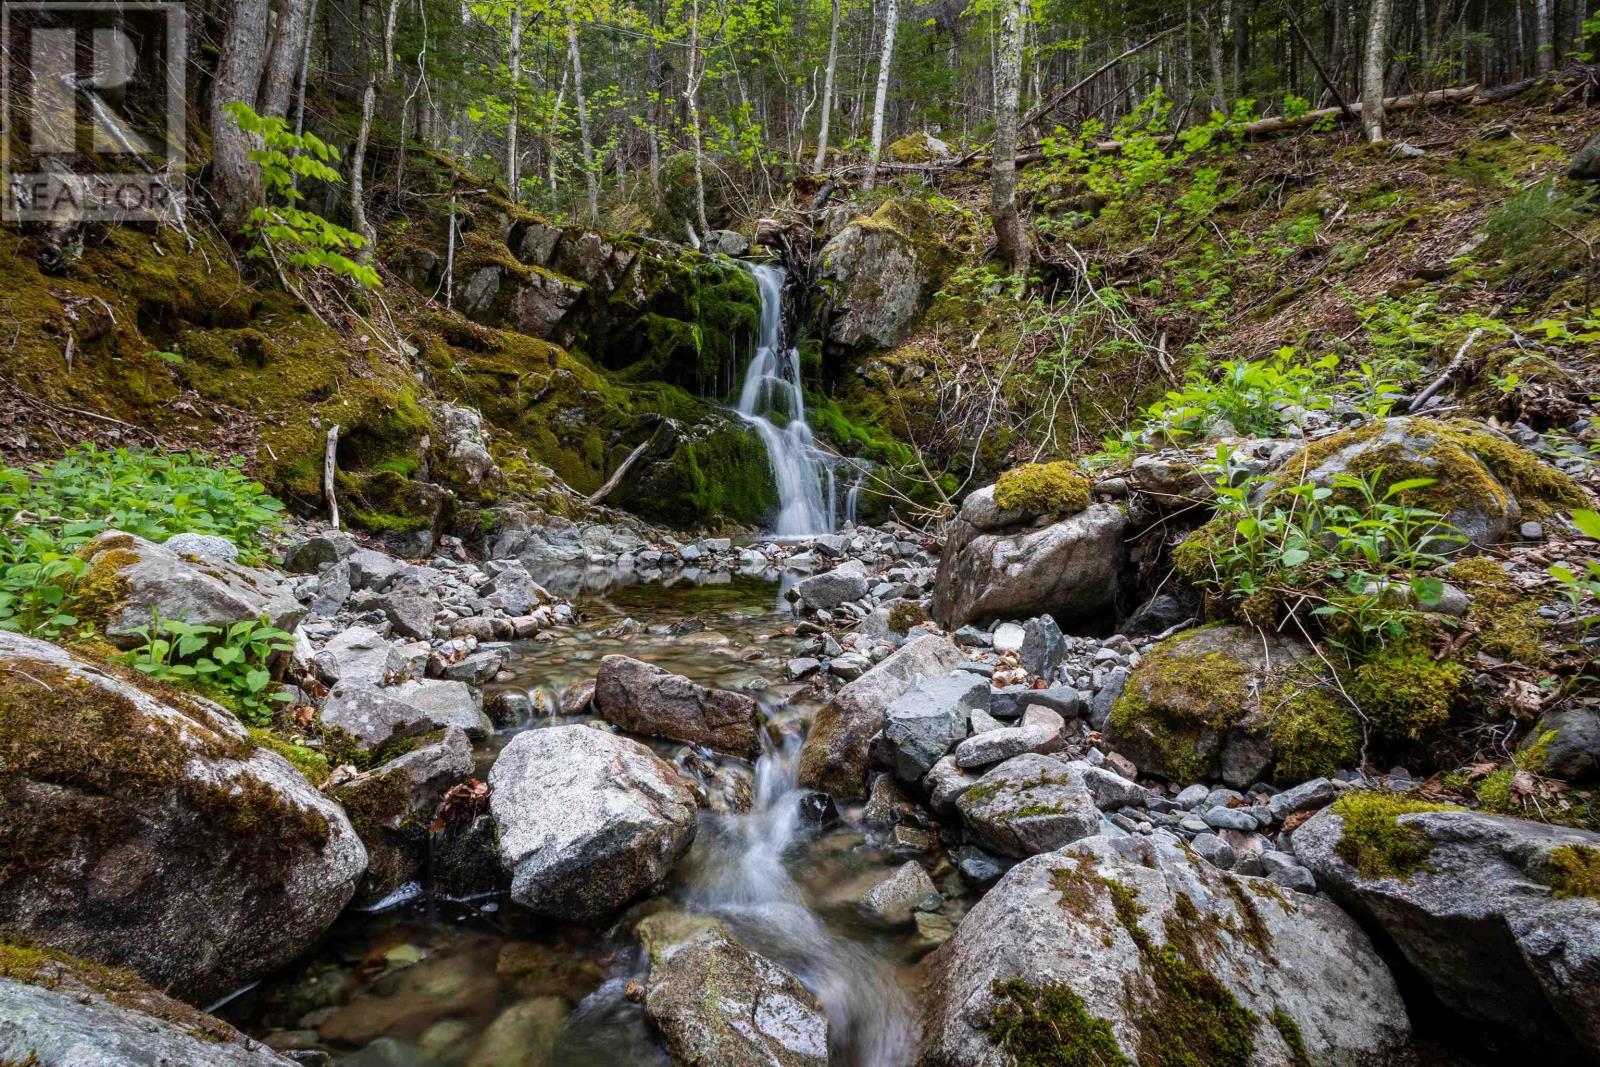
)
(803, 472)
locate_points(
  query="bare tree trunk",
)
(277, 84)
(591, 179)
(514, 58)
(236, 179)
(1372, 70)
(358, 203)
(553, 149)
(1544, 50)
(827, 89)
(886, 59)
(1010, 234)
(1212, 25)
(305, 71)
(691, 96)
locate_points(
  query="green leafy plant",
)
(1582, 590)
(229, 665)
(281, 227)
(1255, 396)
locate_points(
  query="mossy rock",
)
(1218, 701)
(919, 147)
(1482, 483)
(707, 473)
(1042, 489)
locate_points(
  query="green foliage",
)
(229, 665)
(1582, 590)
(1374, 842)
(306, 239)
(1536, 229)
(1252, 396)
(50, 510)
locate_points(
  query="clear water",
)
(807, 487)
(441, 979)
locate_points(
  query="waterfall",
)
(853, 497)
(804, 475)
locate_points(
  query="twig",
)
(329, 455)
(1451, 369)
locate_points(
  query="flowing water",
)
(807, 489)
(434, 981)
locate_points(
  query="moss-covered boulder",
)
(1230, 702)
(707, 473)
(144, 828)
(1499, 917)
(1117, 951)
(879, 273)
(918, 147)
(58, 1009)
(1482, 483)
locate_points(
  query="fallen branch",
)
(328, 455)
(620, 473)
(1451, 369)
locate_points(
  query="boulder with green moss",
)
(57, 1009)
(143, 827)
(1117, 951)
(706, 473)
(879, 273)
(1499, 917)
(1482, 482)
(1045, 551)
(1227, 701)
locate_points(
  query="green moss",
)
(912, 148)
(1575, 871)
(1506, 622)
(1404, 692)
(1313, 732)
(1042, 489)
(1289, 1030)
(1375, 842)
(1176, 700)
(312, 764)
(907, 614)
(50, 969)
(1493, 791)
(1047, 1026)
(101, 589)
(1192, 557)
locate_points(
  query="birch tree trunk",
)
(358, 161)
(1010, 235)
(591, 180)
(277, 84)
(1544, 51)
(827, 89)
(1372, 70)
(1211, 24)
(691, 95)
(514, 61)
(890, 18)
(236, 179)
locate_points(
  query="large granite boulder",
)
(838, 749)
(1210, 702)
(1126, 950)
(1015, 565)
(147, 830)
(587, 820)
(645, 699)
(130, 579)
(57, 1010)
(1032, 803)
(879, 273)
(718, 1004)
(1499, 917)
(929, 719)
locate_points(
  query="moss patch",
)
(1374, 842)
(1575, 871)
(1042, 489)
(1047, 1026)
(1313, 732)
(1507, 622)
(1175, 701)
(907, 614)
(313, 765)
(1405, 693)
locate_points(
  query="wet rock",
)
(1031, 804)
(139, 577)
(718, 1004)
(437, 987)
(1176, 961)
(476, 668)
(891, 901)
(829, 589)
(586, 820)
(62, 1011)
(980, 869)
(817, 810)
(392, 806)
(837, 751)
(1479, 911)
(645, 699)
(218, 859)
(927, 720)
(466, 860)
(524, 1035)
(1068, 568)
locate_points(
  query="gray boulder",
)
(1158, 958)
(645, 699)
(360, 656)
(718, 1004)
(1496, 915)
(892, 900)
(445, 703)
(587, 820)
(311, 554)
(463, 449)
(61, 1011)
(829, 589)
(513, 588)
(1570, 741)
(1041, 730)
(1031, 804)
(1043, 646)
(1585, 165)
(1068, 568)
(837, 751)
(927, 720)
(207, 548)
(877, 276)
(158, 837)
(133, 578)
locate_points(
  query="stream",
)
(480, 982)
